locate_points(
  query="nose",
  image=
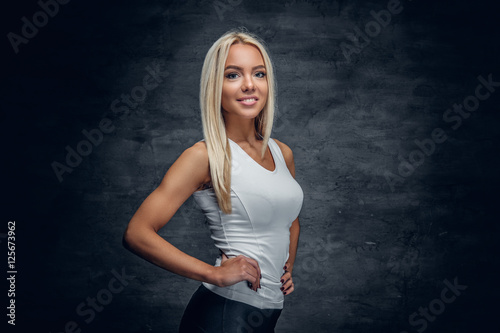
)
(247, 84)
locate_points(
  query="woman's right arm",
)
(185, 176)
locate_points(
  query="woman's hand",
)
(239, 269)
(286, 279)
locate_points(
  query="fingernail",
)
(282, 281)
(261, 276)
(281, 288)
(284, 293)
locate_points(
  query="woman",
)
(244, 182)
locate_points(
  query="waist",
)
(269, 296)
(271, 265)
(264, 298)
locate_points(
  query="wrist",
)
(213, 276)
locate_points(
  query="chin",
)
(252, 114)
(247, 115)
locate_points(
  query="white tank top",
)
(264, 205)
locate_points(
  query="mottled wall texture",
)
(391, 109)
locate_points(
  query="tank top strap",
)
(276, 151)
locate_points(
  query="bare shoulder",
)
(198, 153)
(197, 156)
(288, 155)
(192, 166)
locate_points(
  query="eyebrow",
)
(240, 69)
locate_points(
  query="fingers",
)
(252, 273)
(248, 268)
(287, 286)
(258, 276)
(248, 276)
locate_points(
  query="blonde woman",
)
(243, 180)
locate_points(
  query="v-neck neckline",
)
(272, 156)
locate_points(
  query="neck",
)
(240, 129)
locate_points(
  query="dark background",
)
(369, 255)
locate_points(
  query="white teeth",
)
(249, 100)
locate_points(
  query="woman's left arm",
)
(286, 280)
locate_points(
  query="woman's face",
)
(244, 91)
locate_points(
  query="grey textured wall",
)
(393, 214)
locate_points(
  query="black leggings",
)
(208, 312)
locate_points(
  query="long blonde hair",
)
(214, 129)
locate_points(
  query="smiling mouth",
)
(248, 100)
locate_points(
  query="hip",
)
(210, 312)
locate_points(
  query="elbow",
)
(128, 240)
(136, 238)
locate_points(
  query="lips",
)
(248, 100)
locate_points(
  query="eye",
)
(232, 75)
(260, 75)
